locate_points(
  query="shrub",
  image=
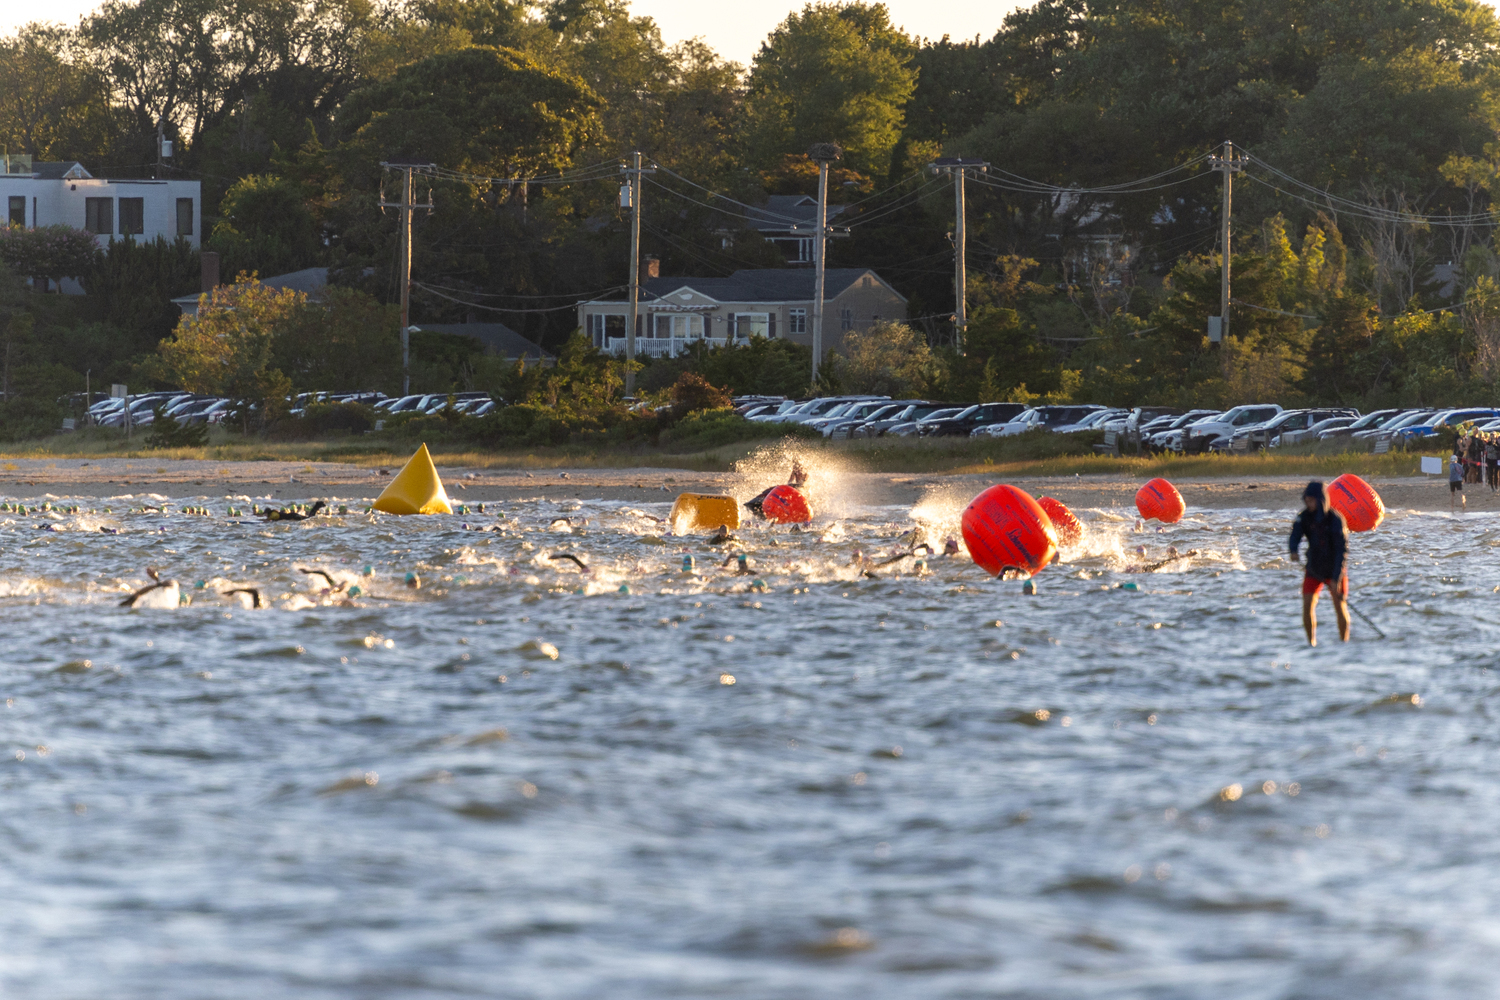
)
(166, 432)
(692, 393)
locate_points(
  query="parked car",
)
(1268, 433)
(843, 427)
(852, 410)
(913, 428)
(1198, 436)
(963, 423)
(1092, 421)
(1037, 418)
(909, 414)
(1169, 436)
(1315, 432)
(1371, 435)
(1440, 419)
(1373, 419)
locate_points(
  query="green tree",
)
(53, 105)
(131, 284)
(266, 226)
(227, 349)
(484, 110)
(832, 73)
(889, 359)
(342, 339)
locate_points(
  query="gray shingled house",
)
(675, 312)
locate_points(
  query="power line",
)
(500, 309)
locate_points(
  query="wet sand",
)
(302, 481)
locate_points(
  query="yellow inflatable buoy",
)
(416, 489)
(703, 512)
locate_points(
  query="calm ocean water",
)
(519, 781)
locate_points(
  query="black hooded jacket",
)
(1327, 538)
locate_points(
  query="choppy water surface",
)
(521, 782)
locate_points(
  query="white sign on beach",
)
(1432, 465)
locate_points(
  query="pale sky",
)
(735, 28)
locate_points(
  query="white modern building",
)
(65, 194)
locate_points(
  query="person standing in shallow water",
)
(1456, 482)
(1327, 546)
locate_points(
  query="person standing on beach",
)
(1327, 546)
(1492, 463)
(1456, 482)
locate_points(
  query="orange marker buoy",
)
(1160, 499)
(1005, 528)
(1069, 528)
(1357, 501)
(785, 505)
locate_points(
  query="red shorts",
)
(1312, 585)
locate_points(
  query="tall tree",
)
(831, 73)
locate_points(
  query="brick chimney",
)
(210, 262)
(650, 267)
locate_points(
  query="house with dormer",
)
(39, 193)
(674, 313)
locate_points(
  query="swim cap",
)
(1314, 489)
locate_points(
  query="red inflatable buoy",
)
(1159, 499)
(785, 505)
(1069, 528)
(1005, 528)
(1357, 501)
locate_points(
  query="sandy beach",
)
(297, 481)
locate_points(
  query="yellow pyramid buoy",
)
(416, 489)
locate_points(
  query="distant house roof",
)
(497, 338)
(308, 280)
(65, 170)
(764, 285)
(786, 212)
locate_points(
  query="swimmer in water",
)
(1172, 556)
(292, 515)
(950, 547)
(251, 595)
(161, 593)
(1327, 547)
(743, 567)
(722, 536)
(796, 480)
(570, 557)
(333, 587)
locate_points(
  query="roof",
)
(788, 211)
(764, 285)
(497, 338)
(70, 170)
(309, 280)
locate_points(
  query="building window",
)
(132, 216)
(751, 325)
(184, 216)
(679, 325)
(796, 321)
(846, 319)
(804, 251)
(99, 216)
(614, 325)
(18, 210)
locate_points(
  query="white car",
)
(1197, 437)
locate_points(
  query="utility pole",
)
(823, 153)
(1229, 164)
(407, 207)
(630, 196)
(959, 169)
